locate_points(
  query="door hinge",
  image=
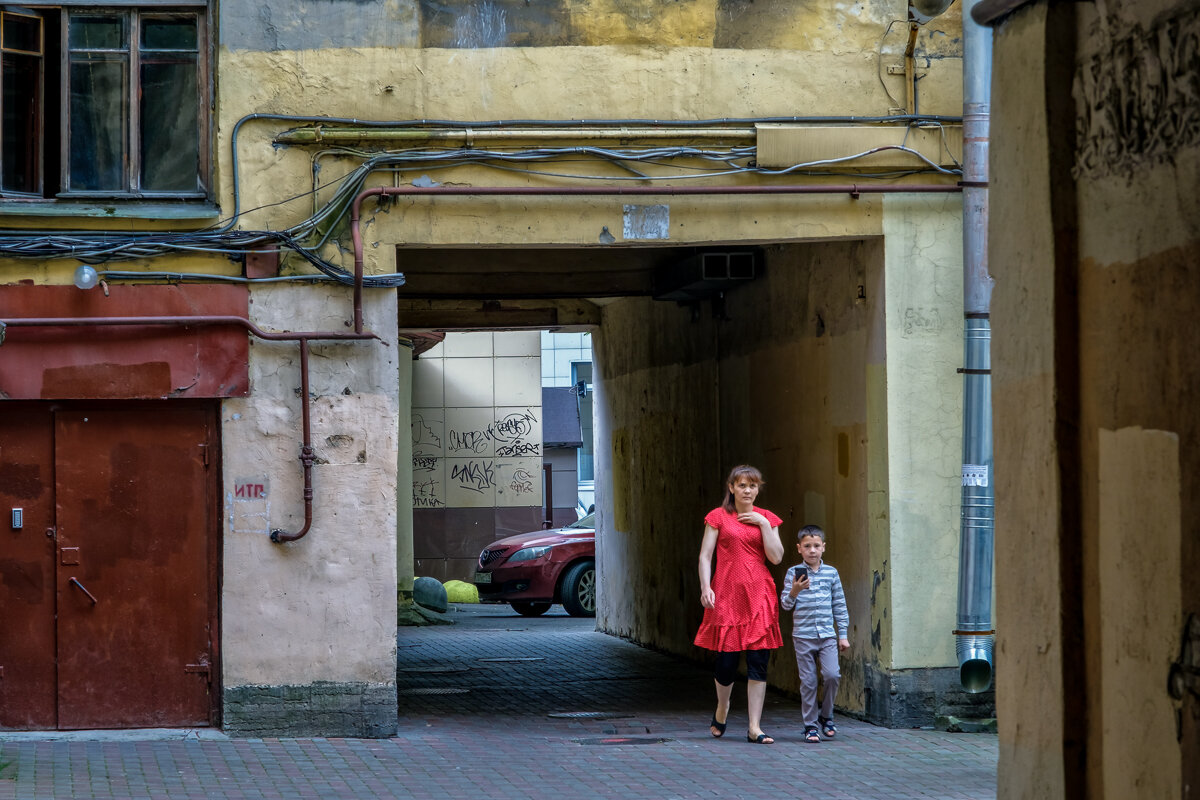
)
(204, 454)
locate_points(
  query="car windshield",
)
(586, 522)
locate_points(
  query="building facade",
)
(753, 207)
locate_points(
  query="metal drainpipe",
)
(975, 633)
(306, 449)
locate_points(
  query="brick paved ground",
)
(505, 707)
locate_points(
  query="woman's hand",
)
(753, 518)
(708, 598)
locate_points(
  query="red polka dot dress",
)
(746, 613)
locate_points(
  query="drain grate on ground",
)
(588, 715)
(434, 670)
(622, 740)
(435, 690)
(511, 660)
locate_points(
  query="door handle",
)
(75, 582)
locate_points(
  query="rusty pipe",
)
(306, 455)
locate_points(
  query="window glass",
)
(97, 33)
(167, 33)
(98, 123)
(19, 156)
(170, 146)
(22, 33)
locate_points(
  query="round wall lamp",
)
(86, 277)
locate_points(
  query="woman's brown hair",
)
(740, 471)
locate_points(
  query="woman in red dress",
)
(741, 606)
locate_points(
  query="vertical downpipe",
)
(975, 633)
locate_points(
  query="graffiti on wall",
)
(475, 458)
(510, 435)
(428, 486)
(1138, 99)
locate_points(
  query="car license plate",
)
(483, 577)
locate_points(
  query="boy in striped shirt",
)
(812, 591)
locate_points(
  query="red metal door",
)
(135, 564)
(27, 675)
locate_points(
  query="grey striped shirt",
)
(817, 609)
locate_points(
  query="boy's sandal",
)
(828, 728)
(719, 727)
(762, 738)
(811, 735)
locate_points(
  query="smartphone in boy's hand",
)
(800, 574)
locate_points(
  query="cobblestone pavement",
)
(507, 707)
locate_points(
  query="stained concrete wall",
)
(1095, 321)
(309, 627)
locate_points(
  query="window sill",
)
(199, 211)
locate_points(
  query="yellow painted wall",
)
(923, 247)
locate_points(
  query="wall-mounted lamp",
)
(922, 11)
(86, 277)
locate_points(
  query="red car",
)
(532, 571)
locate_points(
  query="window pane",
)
(19, 158)
(164, 33)
(170, 126)
(97, 33)
(98, 123)
(22, 33)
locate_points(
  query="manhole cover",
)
(621, 740)
(435, 690)
(508, 660)
(587, 715)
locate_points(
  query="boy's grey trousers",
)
(810, 652)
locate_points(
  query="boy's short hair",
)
(810, 530)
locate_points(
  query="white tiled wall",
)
(476, 422)
(559, 350)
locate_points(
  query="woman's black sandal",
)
(811, 735)
(762, 738)
(719, 727)
(828, 728)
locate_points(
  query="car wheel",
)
(579, 590)
(530, 609)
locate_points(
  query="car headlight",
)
(529, 553)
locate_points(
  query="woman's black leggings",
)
(725, 669)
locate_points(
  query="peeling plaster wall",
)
(321, 608)
(1098, 476)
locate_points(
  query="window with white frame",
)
(103, 101)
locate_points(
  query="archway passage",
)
(800, 359)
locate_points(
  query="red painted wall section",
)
(127, 362)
